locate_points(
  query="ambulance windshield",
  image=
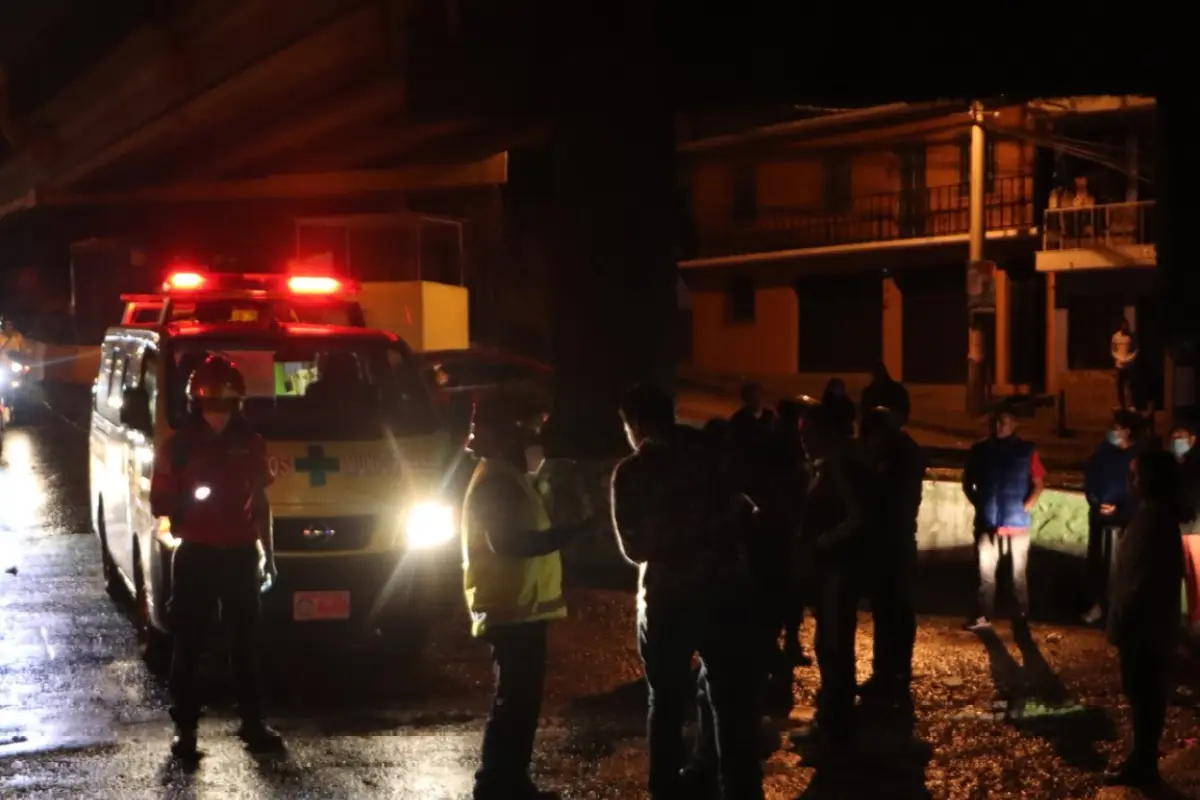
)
(321, 389)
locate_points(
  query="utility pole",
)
(981, 298)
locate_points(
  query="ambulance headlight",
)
(428, 525)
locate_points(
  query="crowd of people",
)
(740, 528)
(736, 530)
(813, 505)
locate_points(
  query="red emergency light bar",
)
(314, 284)
(189, 282)
(184, 280)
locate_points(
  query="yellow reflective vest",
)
(501, 590)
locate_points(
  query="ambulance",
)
(363, 499)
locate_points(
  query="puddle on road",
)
(23, 734)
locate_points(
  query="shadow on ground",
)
(631, 696)
(1034, 700)
(887, 761)
(948, 580)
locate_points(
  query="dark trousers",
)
(729, 740)
(1145, 679)
(204, 580)
(838, 591)
(1102, 545)
(990, 546)
(773, 590)
(895, 621)
(1127, 387)
(519, 665)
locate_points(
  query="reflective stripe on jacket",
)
(501, 590)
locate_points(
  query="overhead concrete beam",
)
(299, 64)
(139, 81)
(369, 145)
(321, 120)
(488, 172)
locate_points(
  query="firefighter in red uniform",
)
(210, 480)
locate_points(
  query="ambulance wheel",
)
(155, 645)
(112, 578)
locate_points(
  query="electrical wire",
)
(1067, 146)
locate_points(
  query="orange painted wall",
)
(767, 346)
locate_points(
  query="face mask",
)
(1114, 439)
(1180, 447)
(216, 420)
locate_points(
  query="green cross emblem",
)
(317, 465)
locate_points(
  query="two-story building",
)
(827, 244)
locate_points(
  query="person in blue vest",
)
(512, 578)
(1002, 480)
(1110, 504)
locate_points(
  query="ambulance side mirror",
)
(135, 410)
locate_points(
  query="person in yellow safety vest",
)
(512, 577)
(11, 339)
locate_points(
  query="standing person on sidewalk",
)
(838, 407)
(842, 523)
(682, 521)
(793, 468)
(754, 422)
(900, 467)
(1183, 446)
(885, 392)
(1143, 622)
(1003, 480)
(512, 580)
(1125, 359)
(1106, 486)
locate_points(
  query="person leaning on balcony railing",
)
(1078, 225)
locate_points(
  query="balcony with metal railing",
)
(1099, 236)
(929, 213)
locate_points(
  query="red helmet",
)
(216, 380)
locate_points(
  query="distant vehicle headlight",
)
(428, 525)
(17, 366)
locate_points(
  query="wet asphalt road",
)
(80, 715)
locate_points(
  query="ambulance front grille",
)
(309, 534)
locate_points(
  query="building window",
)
(964, 165)
(838, 187)
(739, 301)
(745, 193)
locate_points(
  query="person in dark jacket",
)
(1183, 447)
(885, 392)
(1002, 480)
(897, 461)
(841, 520)
(838, 407)
(1106, 486)
(681, 520)
(792, 466)
(754, 421)
(1144, 620)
